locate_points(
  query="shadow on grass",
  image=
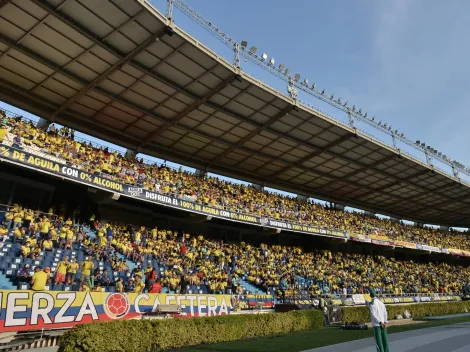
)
(305, 340)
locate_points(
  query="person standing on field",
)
(379, 318)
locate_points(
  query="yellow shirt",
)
(40, 280)
(139, 287)
(72, 268)
(47, 245)
(45, 226)
(62, 267)
(87, 266)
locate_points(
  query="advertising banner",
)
(360, 237)
(430, 248)
(250, 302)
(383, 243)
(107, 183)
(405, 244)
(30, 310)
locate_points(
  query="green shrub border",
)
(362, 314)
(164, 334)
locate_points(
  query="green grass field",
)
(305, 340)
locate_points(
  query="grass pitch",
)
(304, 340)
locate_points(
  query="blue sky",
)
(405, 62)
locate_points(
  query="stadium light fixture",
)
(313, 86)
(264, 56)
(323, 92)
(332, 96)
(244, 43)
(373, 118)
(297, 77)
(418, 142)
(286, 72)
(306, 81)
(281, 67)
(253, 50)
(365, 115)
(423, 145)
(271, 62)
(345, 104)
(339, 100)
(354, 108)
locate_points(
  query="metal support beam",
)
(3, 3)
(318, 151)
(116, 66)
(188, 110)
(31, 30)
(137, 81)
(362, 169)
(254, 133)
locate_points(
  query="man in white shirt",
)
(378, 314)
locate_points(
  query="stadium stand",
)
(62, 146)
(134, 258)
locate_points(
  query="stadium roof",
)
(114, 70)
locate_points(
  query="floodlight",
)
(281, 67)
(253, 50)
(385, 125)
(360, 111)
(354, 108)
(286, 72)
(365, 115)
(396, 132)
(345, 103)
(373, 118)
(339, 100)
(264, 56)
(323, 92)
(297, 77)
(418, 142)
(332, 96)
(244, 43)
(306, 81)
(271, 62)
(313, 86)
(423, 145)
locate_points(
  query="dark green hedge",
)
(160, 335)
(362, 314)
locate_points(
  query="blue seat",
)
(23, 287)
(58, 287)
(10, 273)
(110, 289)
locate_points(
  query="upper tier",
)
(109, 170)
(115, 70)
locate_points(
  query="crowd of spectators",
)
(191, 259)
(62, 144)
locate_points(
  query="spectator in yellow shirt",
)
(61, 271)
(40, 279)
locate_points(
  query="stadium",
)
(137, 192)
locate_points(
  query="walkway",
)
(448, 338)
